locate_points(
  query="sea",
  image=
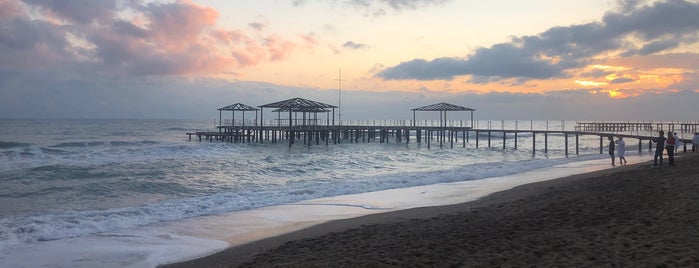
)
(65, 179)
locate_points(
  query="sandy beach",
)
(626, 216)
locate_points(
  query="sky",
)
(508, 59)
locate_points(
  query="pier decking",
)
(427, 135)
(310, 129)
(684, 127)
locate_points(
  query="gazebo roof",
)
(308, 110)
(297, 104)
(443, 106)
(238, 107)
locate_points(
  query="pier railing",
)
(482, 124)
(640, 127)
(443, 132)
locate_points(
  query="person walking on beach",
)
(621, 150)
(659, 146)
(695, 140)
(670, 148)
(611, 148)
(678, 142)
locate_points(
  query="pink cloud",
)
(176, 38)
(176, 25)
(279, 48)
(10, 9)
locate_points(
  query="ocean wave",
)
(53, 151)
(69, 145)
(132, 143)
(65, 224)
(12, 145)
(178, 129)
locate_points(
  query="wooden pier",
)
(304, 126)
(684, 127)
(428, 136)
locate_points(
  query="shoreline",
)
(279, 250)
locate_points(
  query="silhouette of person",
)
(660, 145)
(611, 148)
(670, 148)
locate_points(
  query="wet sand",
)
(631, 215)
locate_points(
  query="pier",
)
(311, 123)
(684, 127)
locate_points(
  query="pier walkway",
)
(403, 131)
(305, 125)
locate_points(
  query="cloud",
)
(353, 45)
(621, 80)
(381, 7)
(654, 28)
(259, 25)
(80, 12)
(394, 4)
(131, 38)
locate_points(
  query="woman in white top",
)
(678, 142)
(621, 150)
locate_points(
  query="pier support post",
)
(546, 142)
(429, 138)
(504, 137)
(489, 132)
(440, 137)
(566, 143)
(640, 145)
(601, 144)
(577, 145)
(464, 137)
(533, 144)
(477, 134)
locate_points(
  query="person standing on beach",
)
(611, 148)
(660, 145)
(622, 150)
(670, 148)
(678, 142)
(695, 140)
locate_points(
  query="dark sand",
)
(629, 216)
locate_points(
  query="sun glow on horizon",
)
(616, 94)
(590, 83)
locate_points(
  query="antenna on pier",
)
(339, 97)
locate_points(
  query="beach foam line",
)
(187, 239)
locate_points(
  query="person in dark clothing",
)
(611, 148)
(670, 148)
(660, 145)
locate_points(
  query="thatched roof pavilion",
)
(443, 108)
(233, 108)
